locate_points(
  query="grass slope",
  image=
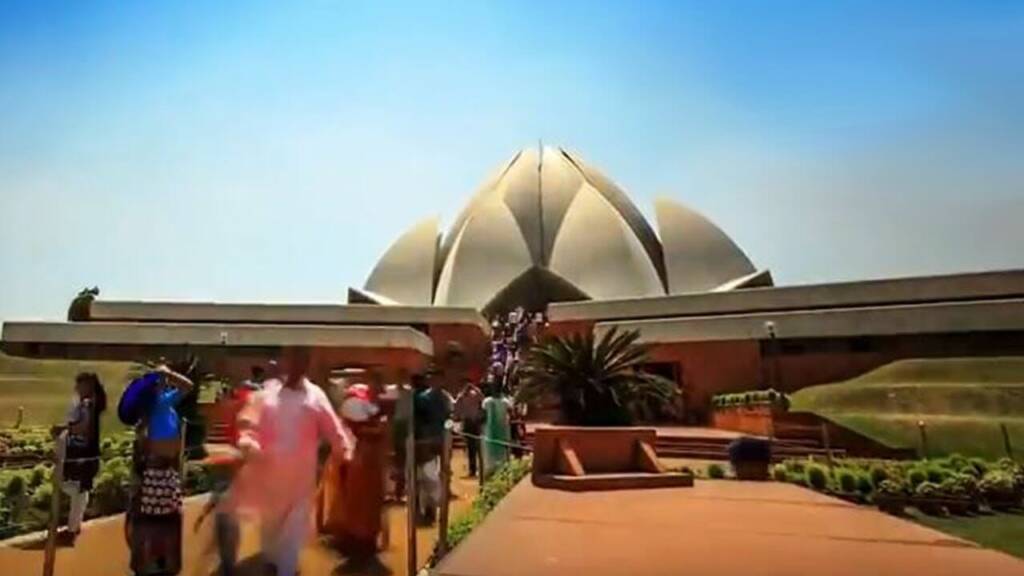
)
(44, 388)
(962, 401)
(998, 531)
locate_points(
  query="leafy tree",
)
(598, 383)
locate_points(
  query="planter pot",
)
(751, 470)
(1002, 503)
(931, 506)
(959, 506)
(851, 497)
(895, 505)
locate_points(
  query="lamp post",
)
(769, 327)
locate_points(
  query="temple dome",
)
(547, 227)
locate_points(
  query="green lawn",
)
(44, 388)
(1003, 532)
(962, 401)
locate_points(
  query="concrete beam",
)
(915, 290)
(308, 314)
(223, 335)
(985, 316)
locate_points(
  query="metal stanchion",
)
(50, 553)
(446, 476)
(921, 428)
(411, 493)
(827, 442)
(481, 446)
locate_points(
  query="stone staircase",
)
(716, 448)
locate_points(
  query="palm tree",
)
(597, 384)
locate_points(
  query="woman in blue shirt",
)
(154, 516)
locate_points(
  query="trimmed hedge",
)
(954, 478)
(752, 398)
(494, 489)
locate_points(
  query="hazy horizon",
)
(260, 152)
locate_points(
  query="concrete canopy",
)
(229, 349)
(546, 227)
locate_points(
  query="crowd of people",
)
(490, 421)
(273, 470)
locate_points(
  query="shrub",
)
(41, 497)
(501, 482)
(916, 476)
(38, 475)
(1015, 470)
(716, 471)
(890, 488)
(997, 485)
(966, 484)
(950, 487)
(1007, 464)
(494, 489)
(779, 473)
(936, 473)
(15, 487)
(956, 462)
(864, 484)
(847, 480)
(979, 467)
(878, 474)
(110, 493)
(463, 525)
(927, 490)
(817, 476)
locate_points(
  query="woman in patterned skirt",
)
(153, 521)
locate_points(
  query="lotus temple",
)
(551, 233)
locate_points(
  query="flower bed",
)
(25, 492)
(953, 485)
(750, 412)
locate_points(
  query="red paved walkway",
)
(717, 528)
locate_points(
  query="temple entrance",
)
(671, 372)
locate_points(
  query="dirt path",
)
(101, 551)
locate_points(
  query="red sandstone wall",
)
(801, 371)
(709, 368)
(569, 327)
(474, 343)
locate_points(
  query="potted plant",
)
(750, 457)
(929, 499)
(890, 497)
(957, 500)
(999, 490)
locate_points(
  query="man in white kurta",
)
(280, 433)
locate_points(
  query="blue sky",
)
(270, 152)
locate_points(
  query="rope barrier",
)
(494, 441)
